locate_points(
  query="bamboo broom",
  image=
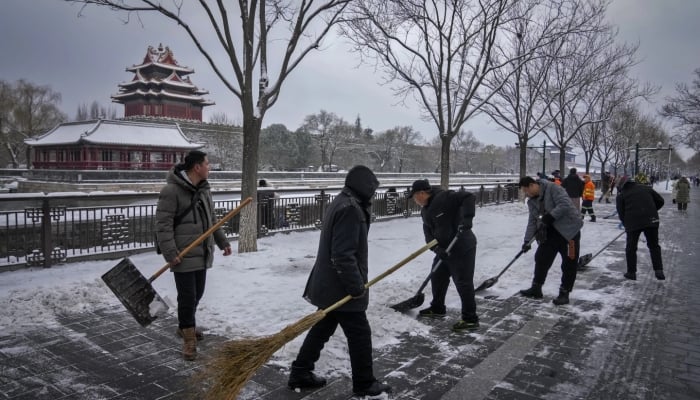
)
(238, 360)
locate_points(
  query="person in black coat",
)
(447, 213)
(637, 206)
(574, 188)
(340, 270)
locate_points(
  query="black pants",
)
(652, 236)
(555, 244)
(190, 289)
(359, 337)
(682, 206)
(460, 267)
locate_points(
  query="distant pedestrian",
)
(185, 210)
(266, 205)
(588, 197)
(682, 193)
(556, 224)
(574, 187)
(556, 177)
(607, 184)
(447, 213)
(637, 206)
(341, 269)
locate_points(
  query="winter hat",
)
(421, 185)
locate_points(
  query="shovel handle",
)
(384, 274)
(203, 236)
(437, 264)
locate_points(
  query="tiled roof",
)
(117, 132)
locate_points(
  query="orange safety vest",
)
(589, 191)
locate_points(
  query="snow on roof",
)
(118, 132)
(161, 93)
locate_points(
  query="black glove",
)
(357, 292)
(526, 247)
(674, 201)
(442, 253)
(547, 219)
(461, 228)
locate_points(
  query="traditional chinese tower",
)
(160, 88)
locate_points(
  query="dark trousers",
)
(359, 337)
(682, 206)
(555, 244)
(652, 236)
(460, 267)
(190, 289)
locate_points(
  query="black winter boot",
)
(535, 291)
(592, 218)
(563, 297)
(630, 275)
(303, 378)
(659, 274)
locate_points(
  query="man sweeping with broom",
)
(341, 269)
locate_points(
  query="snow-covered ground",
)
(259, 293)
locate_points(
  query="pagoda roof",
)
(162, 58)
(115, 132)
(173, 80)
(119, 97)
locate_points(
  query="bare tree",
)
(519, 106)
(684, 108)
(26, 110)
(95, 111)
(439, 52)
(392, 146)
(330, 132)
(221, 118)
(466, 145)
(248, 42)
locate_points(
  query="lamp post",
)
(659, 148)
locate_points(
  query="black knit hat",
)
(420, 185)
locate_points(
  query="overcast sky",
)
(44, 42)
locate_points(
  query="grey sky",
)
(85, 58)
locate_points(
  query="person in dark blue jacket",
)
(447, 213)
(340, 270)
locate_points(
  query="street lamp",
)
(658, 148)
(544, 151)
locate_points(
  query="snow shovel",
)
(611, 215)
(417, 300)
(492, 281)
(136, 292)
(585, 259)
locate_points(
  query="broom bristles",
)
(236, 363)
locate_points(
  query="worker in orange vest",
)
(588, 197)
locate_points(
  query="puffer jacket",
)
(553, 200)
(638, 206)
(173, 236)
(682, 191)
(589, 190)
(341, 266)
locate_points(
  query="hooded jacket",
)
(183, 213)
(341, 266)
(638, 206)
(553, 200)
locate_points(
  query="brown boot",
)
(189, 348)
(198, 333)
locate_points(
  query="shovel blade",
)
(414, 302)
(584, 260)
(135, 292)
(487, 284)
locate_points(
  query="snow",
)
(255, 294)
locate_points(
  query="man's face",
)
(532, 190)
(421, 198)
(202, 169)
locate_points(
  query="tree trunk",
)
(445, 161)
(248, 227)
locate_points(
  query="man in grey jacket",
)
(557, 226)
(185, 211)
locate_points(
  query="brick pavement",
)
(648, 347)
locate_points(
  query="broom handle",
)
(384, 274)
(203, 236)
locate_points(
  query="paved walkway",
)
(647, 347)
